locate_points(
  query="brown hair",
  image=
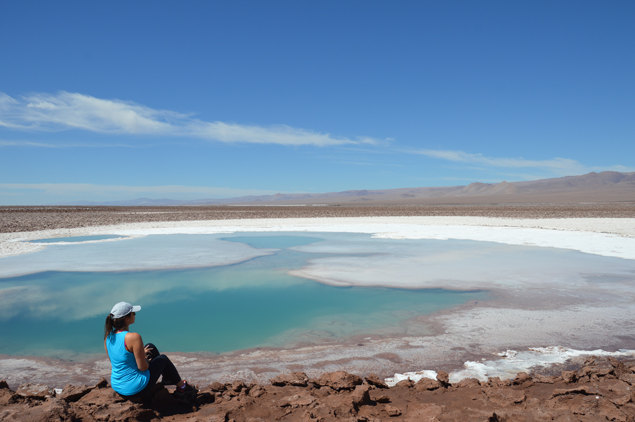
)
(113, 324)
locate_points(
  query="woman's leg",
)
(162, 365)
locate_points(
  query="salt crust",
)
(510, 363)
(602, 236)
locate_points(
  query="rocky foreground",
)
(601, 389)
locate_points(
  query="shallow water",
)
(251, 304)
(255, 302)
(77, 238)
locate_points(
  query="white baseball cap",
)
(122, 309)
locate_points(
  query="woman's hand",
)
(148, 350)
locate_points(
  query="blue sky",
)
(118, 100)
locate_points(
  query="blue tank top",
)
(125, 378)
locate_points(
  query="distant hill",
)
(607, 186)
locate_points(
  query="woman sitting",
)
(136, 368)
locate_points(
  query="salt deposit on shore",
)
(602, 236)
(511, 362)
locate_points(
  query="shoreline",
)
(601, 236)
(465, 333)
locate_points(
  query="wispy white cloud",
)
(554, 166)
(64, 111)
(43, 193)
(20, 143)
(464, 157)
(370, 163)
(27, 144)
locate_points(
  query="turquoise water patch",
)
(78, 238)
(250, 299)
(251, 304)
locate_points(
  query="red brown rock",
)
(8, 397)
(545, 379)
(444, 378)
(497, 382)
(339, 380)
(427, 384)
(71, 393)
(521, 378)
(297, 400)
(344, 397)
(48, 411)
(101, 396)
(360, 396)
(468, 383)
(423, 412)
(295, 378)
(103, 383)
(217, 386)
(256, 390)
(586, 390)
(628, 378)
(382, 399)
(569, 376)
(237, 386)
(617, 392)
(505, 396)
(392, 410)
(405, 384)
(35, 391)
(374, 380)
(206, 395)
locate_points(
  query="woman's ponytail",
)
(109, 327)
(113, 324)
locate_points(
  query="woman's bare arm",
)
(134, 344)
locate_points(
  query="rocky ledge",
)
(600, 389)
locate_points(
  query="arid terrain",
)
(594, 390)
(25, 219)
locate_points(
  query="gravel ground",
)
(23, 219)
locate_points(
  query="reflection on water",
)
(458, 264)
(255, 302)
(149, 252)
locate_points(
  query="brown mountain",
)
(607, 186)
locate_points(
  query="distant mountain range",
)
(607, 186)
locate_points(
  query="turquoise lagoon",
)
(253, 302)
